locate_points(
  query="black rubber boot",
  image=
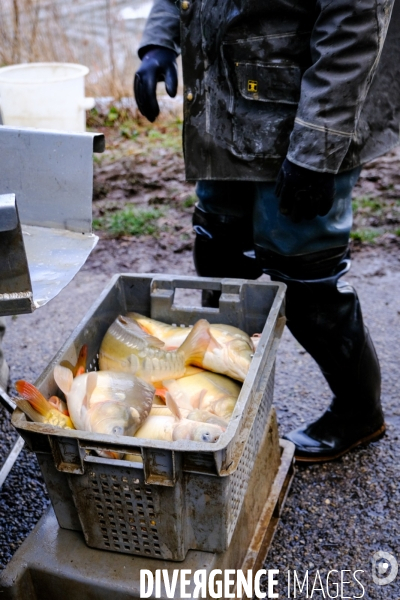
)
(324, 315)
(223, 247)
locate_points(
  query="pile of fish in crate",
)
(147, 428)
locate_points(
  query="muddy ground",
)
(337, 514)
(143, 168)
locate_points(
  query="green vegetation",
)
(129, 221)
(190, 201)
(165, 133)
(374, 217)
(367, 204)
(365, 235)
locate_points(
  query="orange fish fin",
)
(172, 405)
(29, 392)
(161, 393)
(91, 383)
(80, 366)
(109, 454)
(196, 343)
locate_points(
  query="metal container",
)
(184, 495)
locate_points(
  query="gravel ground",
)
(337, 514)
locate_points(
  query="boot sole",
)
(319, 459)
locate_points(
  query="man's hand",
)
(303, 193)
(158, 64)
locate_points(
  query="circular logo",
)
(384, 568)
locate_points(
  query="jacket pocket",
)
(273, 82)
(263, 106)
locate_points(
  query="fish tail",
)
(35, 398)
(196, 343)
(26, 407)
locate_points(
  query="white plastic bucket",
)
(45, 96)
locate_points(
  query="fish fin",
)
(136, 329)
(172, 405)
(196, 343)
(29, 392)
(177, 395)
(134, 414)
(29, 411)
(255, 338)
(63, 378)
(91, 383)
(67, 365)
(142, 321)
(197, 400)
(161, 392)
(109, 454)
(190, 370)
(57, 403)
(137, 317)
(80, 366)
(214, 344)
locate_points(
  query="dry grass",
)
(89, 32)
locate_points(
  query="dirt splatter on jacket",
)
(313, 80)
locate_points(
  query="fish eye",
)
(117, 430)
(207, 436)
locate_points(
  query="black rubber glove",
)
(158, 64)
(303, 193)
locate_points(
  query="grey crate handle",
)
(162, 295)
(161, 467)
(68, 454)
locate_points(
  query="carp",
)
(229, 351)
(105, 401)
(127, 348)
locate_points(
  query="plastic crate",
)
(185, 495)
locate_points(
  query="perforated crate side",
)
(119, 512)
(240, 478)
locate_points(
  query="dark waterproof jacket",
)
(313, 80)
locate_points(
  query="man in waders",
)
(283, 101)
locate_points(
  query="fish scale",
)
(126, 347)
(230, 350)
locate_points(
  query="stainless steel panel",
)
(51, 174)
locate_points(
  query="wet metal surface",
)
(54, 257)
(46, 213)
